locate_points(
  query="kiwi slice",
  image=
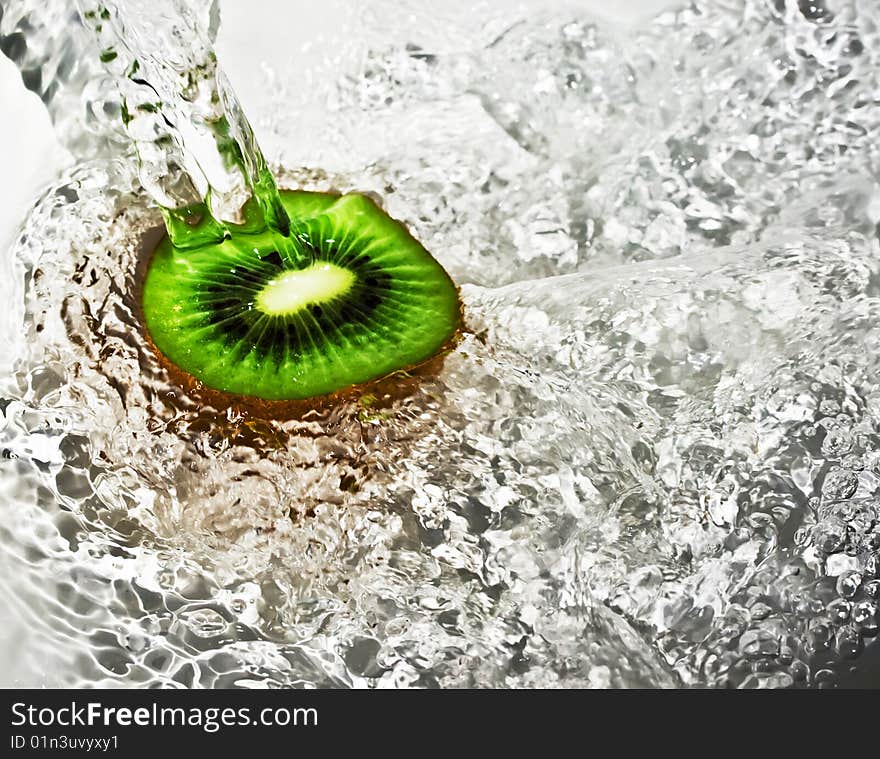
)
(360, 300)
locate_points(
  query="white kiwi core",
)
(292, 291)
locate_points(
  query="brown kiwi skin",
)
(398, 385)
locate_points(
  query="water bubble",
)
(865, 616)
(818, 638)
(848, 584)
(839, 484)
(830, 535)
(837, 442)
(848, 642)
(799, 671)
(838, 611)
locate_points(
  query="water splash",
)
(653, 461)
(197, 153)
(148, 74)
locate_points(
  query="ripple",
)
(652, 460)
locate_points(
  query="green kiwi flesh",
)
(364, 299)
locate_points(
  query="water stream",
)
(654, 459)
(197, 154)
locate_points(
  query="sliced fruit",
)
(360, 300)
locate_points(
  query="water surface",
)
(653, 461)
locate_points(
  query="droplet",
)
(837, 442)
(848, 584)
(818, 639)
(839, 484)
(848, 642)
(838, 611)
(799, 670)
(830, 535)
(864, 616)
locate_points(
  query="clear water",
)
(653, 460)
(196, 151)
